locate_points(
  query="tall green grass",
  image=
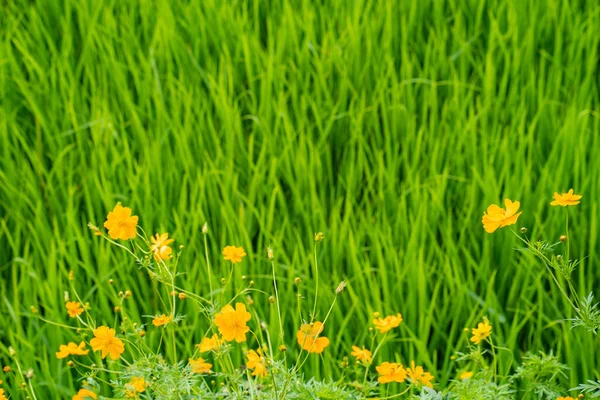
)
(388, 125)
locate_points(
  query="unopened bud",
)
(563, 238)
(340, 287)
(29, 374)
(117, 308)
(269, 253)
(128, 294)
(297, 280)
(111, 282)
(205, 228)
(559, 257)
(523, 230)
(271, 299)
(182, 296)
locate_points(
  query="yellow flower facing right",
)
(566, 199)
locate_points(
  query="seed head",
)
(269, 253)
(205, 228)
(523, 230)
(340, 287)
(297, 280)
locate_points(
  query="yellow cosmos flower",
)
(418, 375)
(566, 199)
(391, 372)
(362, 354)
(308, 338)
(161, 320)
(387, 323)
(199, 366)
(496, 217)
(466, 375)
(121, 224)
(232, 323)
(2, 396)
(71, 349)
(106, 341)
(233, 254)
(136, 385)
(256, 362)
(74, 308)
(483, 330)
(160, 246)
(208, 344)
(85, 394)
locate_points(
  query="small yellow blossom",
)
(387, 323)
(71, 349)
(74, 308)
(418, 375)
(161, 320)
(256, 362)
(2, 395)
(6, 368)
(308, 337)
(362, 354)
(208, 344)
(466, 375)
(496, 217)
(160, 246)
(199, 366)
(85, 394)
(566, 199)
(232, 323)
(391, 372)
(483, 330)
(136, 385)
(121, 224)
(106, 341)
(233, 254)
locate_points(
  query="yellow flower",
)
(466, 375)
(85, 394)
(361, 354)
(208, 344)
(161, 320)
(483, 330)
(120, 223)
(74, 308)
(232, 323)
(257, 362)
(137, 385)
(391, 372)
(308, 337)
(71, 349)
(233, 254)
(105, 340)
(199, 366)
(418, 375)
(496, 217)
(566, 199)
(2, 396)
(160, 246)
(387, 323)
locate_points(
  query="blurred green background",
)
(387, 125)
